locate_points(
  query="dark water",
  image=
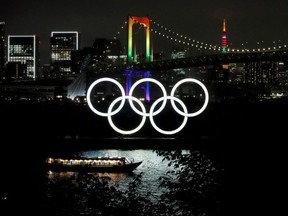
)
(253, 181)
(248, 141)
(152, 168)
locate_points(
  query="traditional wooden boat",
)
(95, 164)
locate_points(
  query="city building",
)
(63, 45)
(104, 56)
(39, 90)
(176, 54)
(264, 72)
(107, 53)
(2, 50)
(283, 73)
(23, 57)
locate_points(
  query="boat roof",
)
(89, 158)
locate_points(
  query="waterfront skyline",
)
(241, 131)
(201, 21)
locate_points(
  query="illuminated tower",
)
(224, 38)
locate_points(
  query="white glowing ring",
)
(103, 80)
(148, 80)
(110, 115)
(173, 131)
(151, 113)
(205, 92)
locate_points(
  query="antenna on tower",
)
(224, 38)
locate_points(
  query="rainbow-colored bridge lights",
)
(145, 21)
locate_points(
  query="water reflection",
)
(115, 177)
(84, 191)
(151, 168)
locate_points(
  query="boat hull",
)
(87, 168)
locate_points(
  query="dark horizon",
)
(201, 21)
(245, 140)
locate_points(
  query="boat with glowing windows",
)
(94, 164)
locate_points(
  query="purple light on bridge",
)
(129, 74)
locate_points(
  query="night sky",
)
(248, 21)
(255, 170)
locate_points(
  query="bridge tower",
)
(145, 22)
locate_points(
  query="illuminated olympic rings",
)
(151, 113)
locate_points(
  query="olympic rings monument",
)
(128, 93)
(152, 112)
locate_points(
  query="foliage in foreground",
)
(191, 187)
(193, 184)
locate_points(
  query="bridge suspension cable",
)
(182, 39)
(189, 42)
(123, 26)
